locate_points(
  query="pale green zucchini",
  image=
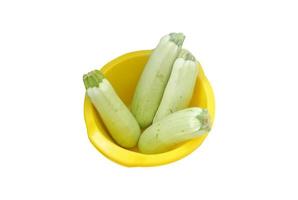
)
(180, 87)
(119, 121)
(154, 78)
(175, 128)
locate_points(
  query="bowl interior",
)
(123, 73)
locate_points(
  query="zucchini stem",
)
(93, 79)
(177, 38)
(204, 119)
(186, 55)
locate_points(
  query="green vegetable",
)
(121, 124)
(179, 89)
(175, 128)
(154, 78)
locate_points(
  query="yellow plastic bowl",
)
(123, 73)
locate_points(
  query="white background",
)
(248, 50)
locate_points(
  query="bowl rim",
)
(130, 158)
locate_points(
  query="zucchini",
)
(175, 128)
(180, 87)
(154, 78)
(119, 121)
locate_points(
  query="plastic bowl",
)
(123, 73)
